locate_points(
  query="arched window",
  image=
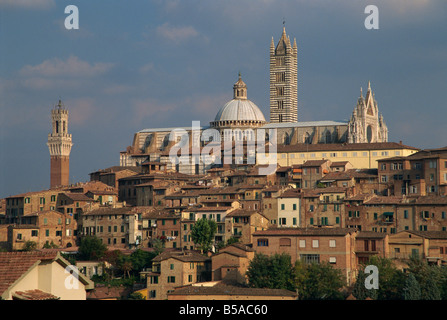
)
(286, 139)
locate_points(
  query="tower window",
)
(280, 91)
(57, 126)
(280, 104)
(280, 76)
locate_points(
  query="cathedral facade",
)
(241, 118)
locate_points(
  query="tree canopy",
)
(203, 232)
(91, 248)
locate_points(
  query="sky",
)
(141, 64)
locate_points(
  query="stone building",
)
(242, 120)
(175, 268)
(59, 145)
(312, 245)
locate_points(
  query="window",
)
(331, 243)
(384, 178)
(171, 266)
(315, 243)
(283, 206)
(405, 214)
(171, 279)
(294, 206)
(263, 242)
(310, 258)
(285, 242)
(332, 260)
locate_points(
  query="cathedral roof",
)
(238, 109)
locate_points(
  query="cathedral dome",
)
(239, 110)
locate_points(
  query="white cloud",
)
(72, 67)
(28, 4)
(176, 34)
(146, 68)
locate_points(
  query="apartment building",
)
(323, 206)
(116, 227)
(240, 224)
(232, 262)
(162, 224)
(289, 209)
(360, 155)
(44, 228)
(175, 268)
(428, 245)
(312, 245)
(419, 174)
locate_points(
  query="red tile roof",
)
(35, 294)
(14, 264)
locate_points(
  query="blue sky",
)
(144, 64)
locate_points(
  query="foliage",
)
(203, 232)
(91, 248)
(429, 278)
(412, 289)
(30, 246)
(158, 245)
(391, 279)
(318, 281)
(51, 245)
(141, 259)
(274, 272)
(136, 296)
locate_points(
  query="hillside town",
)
(339, 196)
(344, 216)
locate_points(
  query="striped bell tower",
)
(283, 80)
(59, 145)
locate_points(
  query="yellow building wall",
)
(360, 159)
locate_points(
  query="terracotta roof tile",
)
(14, 264)
(35, 294)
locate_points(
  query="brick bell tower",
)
(59, 144)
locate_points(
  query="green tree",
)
(30, 246)
(430, 290)
(203, 232)
(319, 281)
(91, 248)
(158, 246)
(136, 296)
(141, 259)
(359, 291)
(391, 279)
(275, 272)
(428, 276)
(412, 289)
